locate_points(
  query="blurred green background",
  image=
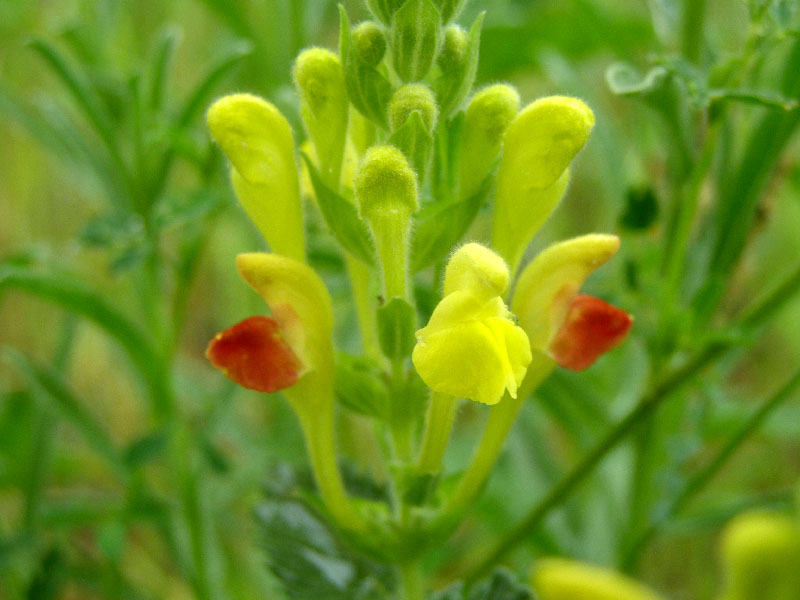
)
(71, 527)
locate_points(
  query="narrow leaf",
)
(342, 218)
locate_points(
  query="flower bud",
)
(385, 184)
(761, 556)
(324, 105)
(257, 140)
(485, 122)
(562, 579)
(453, 52)
(369, 43)
(409, 99)
(386, 194)
(538, 146)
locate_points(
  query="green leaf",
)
(415, 142)
(65, 402)
(415, 36)
(439, 227)
(145, 449)
(452, 88)
(396, 326)
(502, 584)
(161, 65)
(309, 560)
(342, 218)
(200, 96)
(768, 98)
(83, 94)
(361, 387)
(72, 295)
(368, 90)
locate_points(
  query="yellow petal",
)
(538, 147)
(562, 579)
(298, 300)
(516, 222)
(257, 139)
(476, 269)
(464, 361)
(281, 223)
(516, 351)
(547, 285)
(761, 554)
(542, 140)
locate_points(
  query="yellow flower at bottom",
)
(562, 579)
(471, 347)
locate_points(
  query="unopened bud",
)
(409, 99)
(385, 183)
(324, 106)
(369, 43)
(454, 49)
(487, 117)
(386, 193)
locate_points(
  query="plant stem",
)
(501, 418)
(438, 425)
(411, 587)
(701, 478)
(391, 240)
(316, 421)
(359, 274)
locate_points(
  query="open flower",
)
(471, 347)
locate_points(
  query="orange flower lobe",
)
(592, 328)
(254, 354)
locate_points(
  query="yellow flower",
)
(562, 579)
(471, 347)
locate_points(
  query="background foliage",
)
(128, 468)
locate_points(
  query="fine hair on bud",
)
(369, 43)
(454, 48)
(411, 98)
(385, 183)
(318, 76)
(492, 109)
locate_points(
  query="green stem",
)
(703, 477)
(501, 419)
(438, 425)
(391, 232)
(316, 421)
(692, 32)
(359, 274)
(411, 585)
